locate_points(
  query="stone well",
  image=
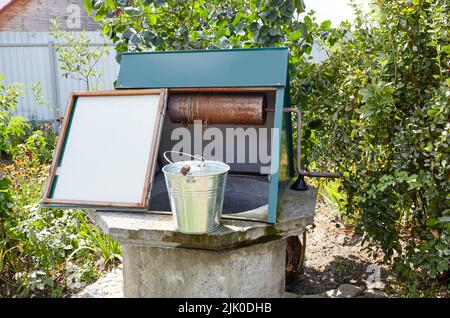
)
(241, 259)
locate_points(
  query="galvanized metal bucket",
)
(196, 196)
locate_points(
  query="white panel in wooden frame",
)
(107, 149)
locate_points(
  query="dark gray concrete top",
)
(150, 229)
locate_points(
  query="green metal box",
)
(265, 68)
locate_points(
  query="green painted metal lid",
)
(206, 68)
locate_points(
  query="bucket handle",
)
(181, 153)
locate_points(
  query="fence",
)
(30, 57)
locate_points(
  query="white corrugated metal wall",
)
(26, 57)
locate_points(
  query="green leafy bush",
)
(12, 128)
(38, 146)
(46, 239)
(43, 252)
(198, 24)
(5, 195)
(384, 95)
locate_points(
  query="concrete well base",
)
(240, 259)
(254, 271)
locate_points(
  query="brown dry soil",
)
(334, 256)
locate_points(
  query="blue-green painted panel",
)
(70, 116)
(287, 127)
(52, 189)
(207, 68)
(276, 157)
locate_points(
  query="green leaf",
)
(222, 32)
(325, 25)
(133, 11)
(299, 6)
(5, 183)
(88, 6)
(442, 266)
(308, 21)
(157, 40)
(152, 19)
(148, 35)
(254, 27)
(445, 49)
(98, 4)
(287, 9)
(237, 19)
(269, 15)
(99, 16)
(128, 33)
(272, 31)
(110, 4)
(194, 35)
(295, 36)
(136, 39)
(276, 3)
(432, 222)
(307, 48)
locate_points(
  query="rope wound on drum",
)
(195, 111)
(217, 108)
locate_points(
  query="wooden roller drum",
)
(222, 108)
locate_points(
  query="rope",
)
(194, 110)
(208, 111)
(189, 110)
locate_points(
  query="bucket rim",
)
(220, 163)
